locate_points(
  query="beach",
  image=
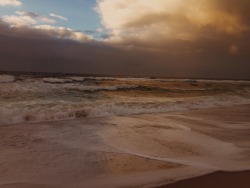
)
(124, 94)
(216, 180)
(129, 151)
(80, 131)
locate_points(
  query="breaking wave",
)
(7, 78)
(39, 98)
(101, 88)
(24, 112)
(57, 80)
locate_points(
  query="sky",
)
(161, 38)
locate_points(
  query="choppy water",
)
(27, 98)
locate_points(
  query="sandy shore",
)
(135, 151)
(215, 180)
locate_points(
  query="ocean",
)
(60, 130)
(38, 98)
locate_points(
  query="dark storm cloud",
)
(206, 50)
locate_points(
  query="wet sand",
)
(215, 180)
(133, 151)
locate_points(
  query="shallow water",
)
(32, 98)
(135, 143)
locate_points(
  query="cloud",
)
(142, 20)
(64, 33)
(46, 49)
(36, 16)
(19, 21)
(34, 22)
(10, 2)
(171, 38)
(58, 16)
(23, 18)
(233, 49)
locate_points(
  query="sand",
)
(135, 151)
(215, 180)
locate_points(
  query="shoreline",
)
(215, 180)
(150, 150)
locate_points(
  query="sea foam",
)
(36, 98)
(7, 78)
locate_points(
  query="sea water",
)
(28, 98)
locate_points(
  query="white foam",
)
(38, 86)
(97, 88)
(39, 99)
(141, 136)
(35, 111)
(7, 78)
(78, 79)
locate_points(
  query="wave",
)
(56, 80)
(7, 78)
(101, 88)
(52, 84)
(64, 80)
(35, 99)
(24, 112)
(77, 78)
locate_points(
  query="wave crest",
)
(7, 78)
(22, 113)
